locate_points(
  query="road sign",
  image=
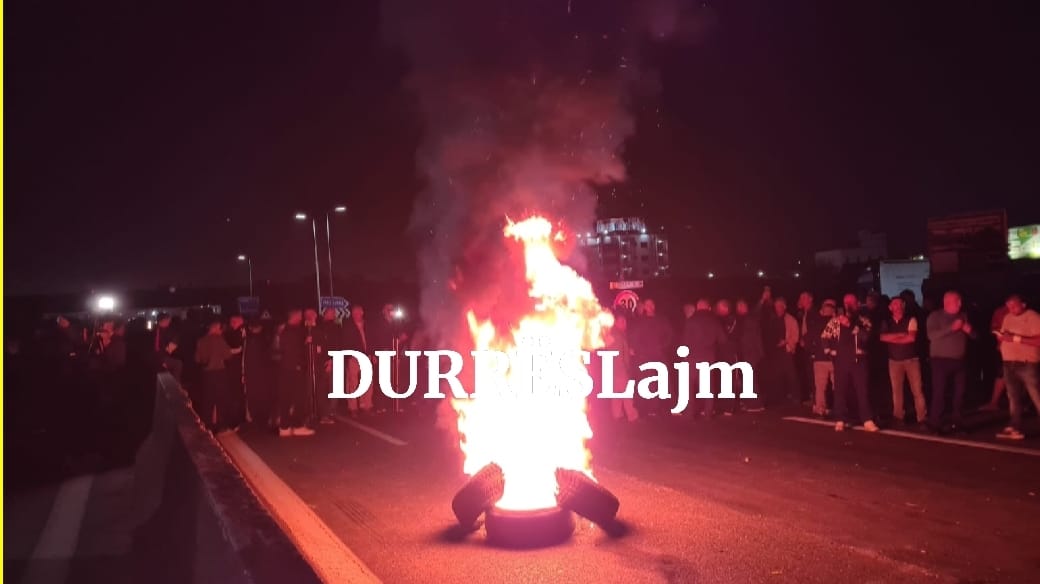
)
(626, 284)
(626, 299)
(338, 303)
(249, 305)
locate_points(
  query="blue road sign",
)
(338, 303)
(249, 305)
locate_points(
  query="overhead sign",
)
(337, 303)
(626, 285)
(1024, 242)
(249, 305)
(907, 275)
(627, 300)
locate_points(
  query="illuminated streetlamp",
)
(249, 262)
(301, 216)
(106, 303)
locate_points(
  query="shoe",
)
(839, 427)
(870, 426)
(302, 431)
(1010, 433)
(284, 432)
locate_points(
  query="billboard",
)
(897, 276)
(1024, 242)
(967, 241)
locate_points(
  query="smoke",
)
(525, 105)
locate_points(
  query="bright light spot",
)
(711, 275)
(761, 274)
(106, 303)
(301, 216)
(241, 257)
(797, 275)
(155, 312)
(399, 313)
(341, 209)
(148, 325)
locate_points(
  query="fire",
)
(531, 435)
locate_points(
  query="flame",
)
(530, 435)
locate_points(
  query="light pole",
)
(249, 262)
(317, 269)
(301, 216)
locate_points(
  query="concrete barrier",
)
(197, 519)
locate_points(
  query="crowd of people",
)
(876, 362)
(847, 361)
(276, 375)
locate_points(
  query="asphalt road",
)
(752, 498)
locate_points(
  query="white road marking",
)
(928, 437)
(49, 562)
(326, 553)
(372, 431)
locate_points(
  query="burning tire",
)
(478, 495)
(586, 497)
(528, 529)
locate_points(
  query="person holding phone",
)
(948, 332)
(1019, 339)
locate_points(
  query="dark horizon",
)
(148, 146)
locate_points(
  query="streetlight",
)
(301, 216)
(249, 262)
(317, 270)
(106, 303)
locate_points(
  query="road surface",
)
(752, 498)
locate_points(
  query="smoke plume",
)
(525, 110)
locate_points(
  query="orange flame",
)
(532, 434)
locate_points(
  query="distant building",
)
(624, 249)
(872, 246)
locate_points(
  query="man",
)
(845, 338)
(749, 345)
(822, 363)
(1019, 338)
(650, 337)
(211, 354)
(899, 333)
(293, 398)
(235, 336)
(703, 335)
(617, 340)
(386, 335)
(355, 337)
(807, 318)
(781, 338)
(258, 367)
(329, 337)
(995, 325)
(948, 333)
(729, 349)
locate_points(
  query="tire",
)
(479, 494)
(586, 497)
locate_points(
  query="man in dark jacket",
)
(356, 338)
(703, 335)
(259, 368)
(846, 339)
(293, 401)
(749, 344)
(650, 336)
(820, 360)
(329, 337)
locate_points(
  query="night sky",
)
(148, 145)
